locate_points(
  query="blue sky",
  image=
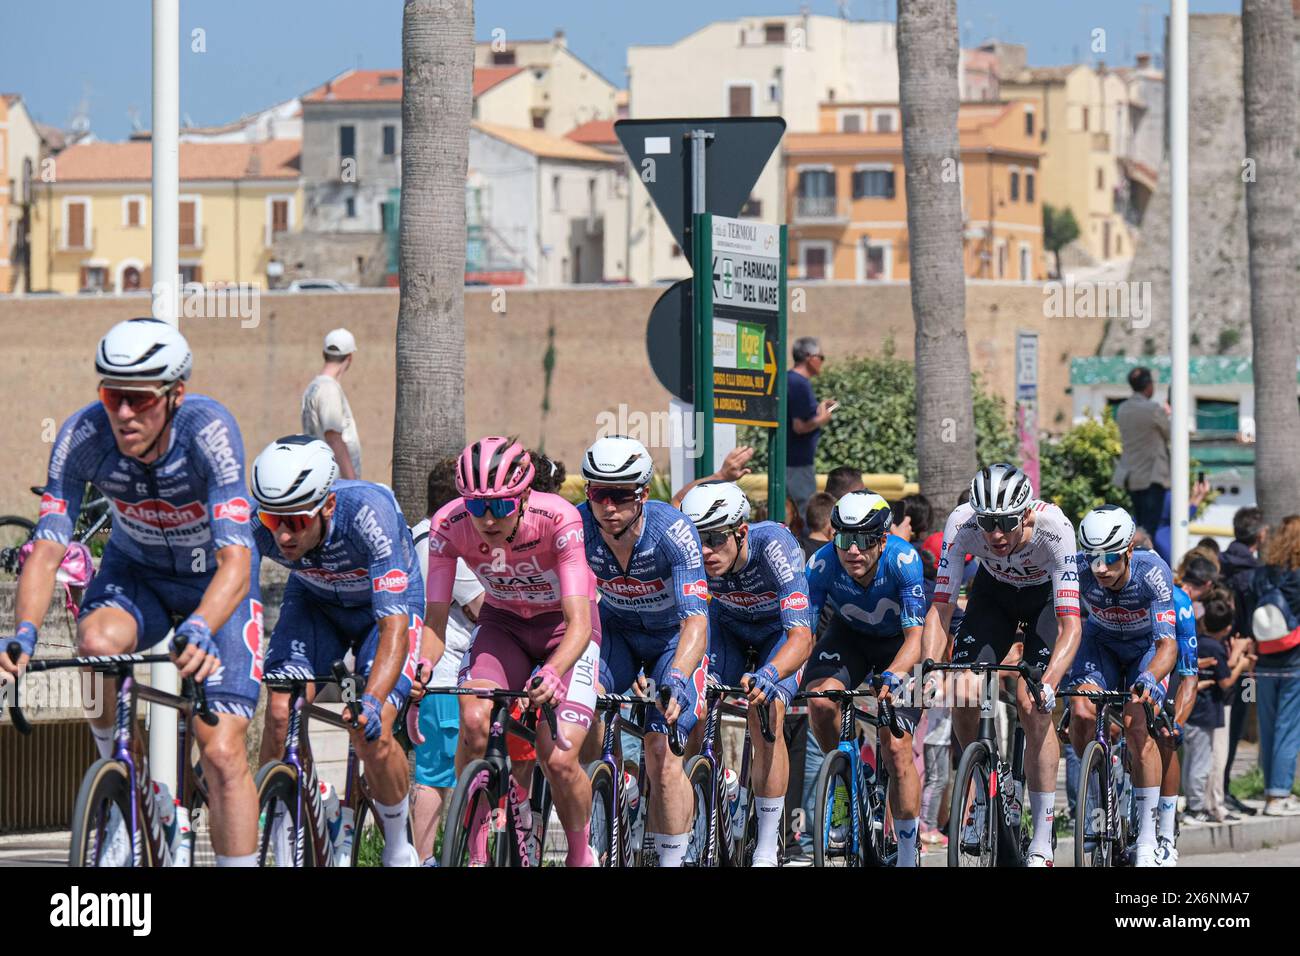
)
(60, 54)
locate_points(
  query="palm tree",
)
(437, 82)
(1270, 92)
(927, 87)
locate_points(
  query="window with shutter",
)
(884, 122)
(740, 101)
(188, 236)
(133, 212)
(347, 142)
(1015, 186)
(76, 225)
(1029, 187)
(390, 140)
(850, 123)
(279, 216)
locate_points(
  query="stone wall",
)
(259, 367)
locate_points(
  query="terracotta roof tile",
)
(544, 144)
(379, 86)
(110, 162)
(594, 132)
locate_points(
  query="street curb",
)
(1244, 836)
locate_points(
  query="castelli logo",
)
(236, 509)
(394, 581)
(698, 589)
(51, 505)
(798, 601)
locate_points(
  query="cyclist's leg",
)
(387, 770)
(770, 767)
(118, 614)
(303, 644)
(494, 660)
(905, 782)
(837, 662)
(671, 802)
(1042, 747)
(232, 693)
(985, 634)
(1144, 754)
(617, 673)
(1087, 672)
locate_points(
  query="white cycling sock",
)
(769, 826)
(393, 820)
(249, 860)
(1042, 806)
(1167, 818)
(905, 832)
(103, 740)
(1147, 800)
(671, 848)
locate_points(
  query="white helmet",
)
(293, 474)
(1000, 489)
(715, 505)
(1106, 530)
(145, 349)
(617, 460)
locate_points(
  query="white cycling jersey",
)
(1048, 555)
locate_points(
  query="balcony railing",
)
(815, 209)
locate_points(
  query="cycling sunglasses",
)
(844, 540)
(139, 399)
(1109, 557)
(603, 494)
(713, 540)
(296, 523)
(500, 507)
(1003, 523)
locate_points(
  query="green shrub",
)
(1076, 468)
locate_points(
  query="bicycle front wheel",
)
(835, 842)
(702, 849)
(468, 839)
(972, 823)
(100, 832)
(278, 821)
(606, 841)
(1091, 845)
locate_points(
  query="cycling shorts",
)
(994, 612)
(850, 657)
(625, 651)
(154, 597)
(1110, 665)
(730, 647)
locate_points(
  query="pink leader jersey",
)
(545, 562)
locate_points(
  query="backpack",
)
(1273, 622)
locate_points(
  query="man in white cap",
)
(326, 413)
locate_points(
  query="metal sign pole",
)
(776, 447)
(702, 302)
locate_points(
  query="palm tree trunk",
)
(437, 80)
(1270, 91)
(927, 81)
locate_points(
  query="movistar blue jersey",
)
(367, 557)
(663, 583)
(893, 600)
(1186, 630)
(770, 593)
(171, 515)
(1139, 613)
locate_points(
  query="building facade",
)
(23, 155)
(847, 206)
(550, 90)
(90, 228)
(755, 66)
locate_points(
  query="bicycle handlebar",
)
(764, 719)
(1032, 676)
(548, 711)
(16, 714)
(1120, 697)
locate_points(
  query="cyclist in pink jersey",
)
(538, 616)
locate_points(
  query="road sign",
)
(668, 340)
(734, 158)
(746, 300)
(1027, 403)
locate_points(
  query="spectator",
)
(807, 419)
(792, 519)
(548, 474)
(912, 517)
(1196, 575)
(1163, 534)
(1143, 467)
(938, 765)
(817, 528)
(1219, 669)
(326, 413)
(1278, 678)
(843, 479)
(1211, 544)
(1237, 567)
(435, 768)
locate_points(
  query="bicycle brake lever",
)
(339, 670)
(765, 723)
(548, 712)
(675, 743)
(890, 714)
(20, 721)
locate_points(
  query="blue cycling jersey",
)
(894, 600)
(367, 557)
(1186, 630)
(171, 515)
(663, 583)
(1139, 613)
(770, 593)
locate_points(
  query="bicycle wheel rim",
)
(277, 787)
(604, 822)
(699, 774)
(104, 788)
(473, 797)
(972, 803)
(1091, 847)
(833, 832)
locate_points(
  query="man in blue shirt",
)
(807, 419)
